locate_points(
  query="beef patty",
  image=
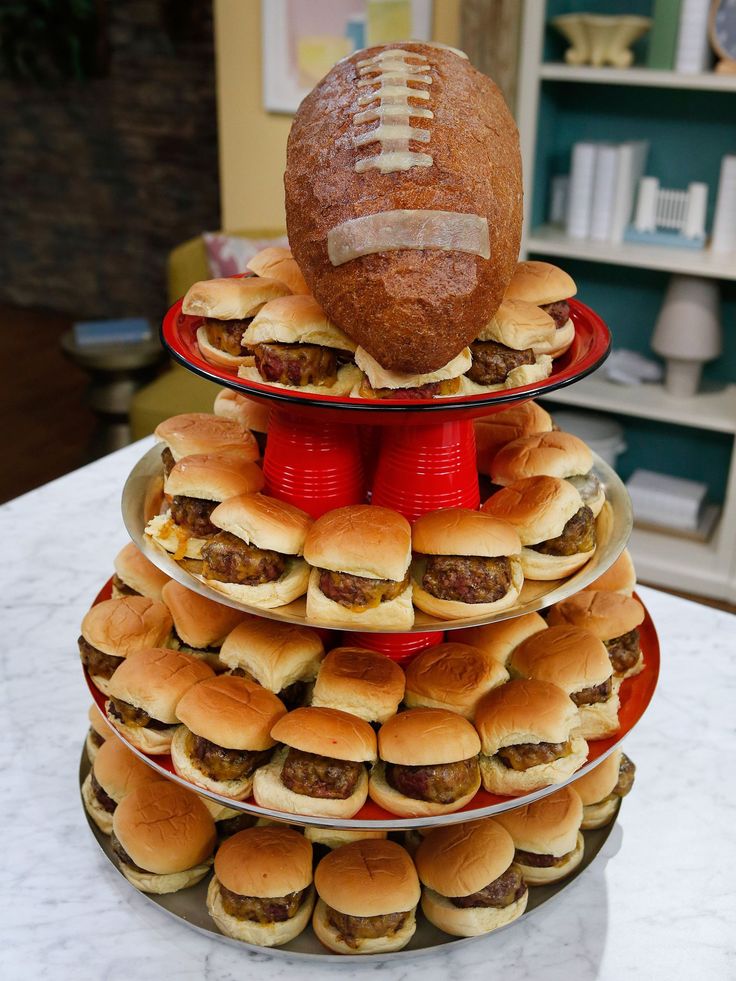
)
(450, 386)
(502, 892)
(228, 558)
(467, 578)
(559, 311)
(354, 928)
(536, 861)
(624, 650)
(578, 535)
(522, 756)
(131, 715)
(98, 664)
(193, 513)
(626, 773)
(297, 364)
(167, 458)
(292, 696)
(123, 588)
(358, 593)
(227, 335)
(275, 909)
(492, 362)
(122, 856)
(231, 826)
(591, 696)
(95, 738)
(219, 763)
(104, 800)
(320, 776)
(441, 783)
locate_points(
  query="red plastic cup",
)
(314, 465)
(425, 468)
(399, 647)
(370, 447)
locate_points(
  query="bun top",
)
(193, 433)
(164, 828)
(541, 283)
(155, 679)
(620, 578)
(370, 877)
(548, 826)
(569, 657)
(275, 654)
(425, 736)
(138, 572)
(264, 522)
(231, 711)
(214, 477)
(519, 325)
(265, 862)
(455, 674)
(276, 262)
(327, 732)
(498, 639)
(496, 430)
(537, 507)
(363, 540)
(607, 615)
(355, 674)
(380, 377)
(231, 298)
(554, 454)
(296, 320)
(598, 783)
(121, 626)
(198, 621)
(244, 411)
(118, 770)
(462, 859)
(459, 531)
(524, 711)
(98, 721)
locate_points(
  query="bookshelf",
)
(689, 122)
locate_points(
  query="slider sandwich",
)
(144, 692)
(225, 734)
(508, 351)
(619, 578)
(228, 307)
(452, 676)
(547, 838)
(550, 288)
(466, 563)
(196, 485)
(115, 772)
(98, 732)
(360, 558)
(602, 788)
(295, 346)
(135, 575)
(163, 838)
(200, 624)
(471, 883)
(613, 618)
(115, 628)
(246, 412)
(255, 555)
(494, 431)
(577, 662)
(320, 769)
(529, 738)
(498, 640)
(330, 838)
(195, 433)
(282, 657)
(277, 262)
(378, 382)
(557, 530)
(554, 454)
(368, 894)
(428, 763)
(262, 892)
(364, 683)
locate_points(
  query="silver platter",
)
(142, 496)
(190, 907)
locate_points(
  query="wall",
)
(252, 141)
(102, 177)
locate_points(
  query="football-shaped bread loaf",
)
(403, 201)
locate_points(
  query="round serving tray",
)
(189, 905)
(635, 695)
(588, 351)
(143, 495)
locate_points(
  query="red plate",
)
(588, 351)
(635, 694)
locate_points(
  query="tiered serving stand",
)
(325, 452)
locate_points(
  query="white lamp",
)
(688, 332)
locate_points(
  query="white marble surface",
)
(659, 902)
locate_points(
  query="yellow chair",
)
(179, 390)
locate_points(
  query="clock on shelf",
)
(722, 31)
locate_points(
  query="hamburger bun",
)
(499, 428)
(275, 654)
(199, 622)
(379, 377)
(619, 578)
(197, 433)
(518, 325)
(264, 522)
(362, 540)
(523, 374)
(499, 639)
(233, 298)
(540, 283)
(218, 357)
(118, 771)
(241, 409)
(561, 342)
(598, 784)
(395, 614)
(336, 837)
(452, 676)
(137, 573)
(289, 586)
(276, 262)
(213, 476)
(364, 683)
(98, 732)
(607, 615)
(168, 833)
(327, 732)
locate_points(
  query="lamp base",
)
(682, 377)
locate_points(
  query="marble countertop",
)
(656, 903)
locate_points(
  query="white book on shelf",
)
(604, 191)
(580, 190)
(632, 159)
(693, 47)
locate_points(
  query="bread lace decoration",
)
(390, 70)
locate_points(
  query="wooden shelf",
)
(551, 240)
(711, 410)
(648, 77)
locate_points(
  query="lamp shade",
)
(689, 325)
